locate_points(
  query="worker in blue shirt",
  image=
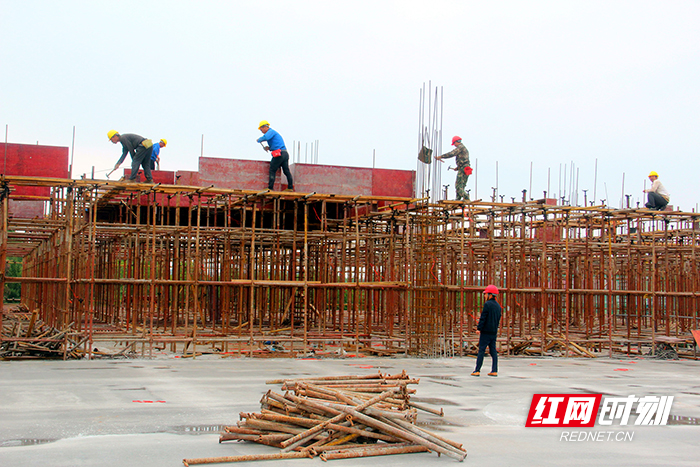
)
(155, 156)
(280, 156)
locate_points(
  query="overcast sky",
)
(545, 83)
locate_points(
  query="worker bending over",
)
(140, 149)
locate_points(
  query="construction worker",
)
(155, 156)
(280, 156)
(657, 196)
(463, 169)
(140, 149)
(488, 330)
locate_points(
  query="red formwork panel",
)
(550, 233)
(32, 160)
(26, 209)
(187, 178)
(332, 179)
(390, 182)
(237, 174)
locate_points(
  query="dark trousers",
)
(142, 158)
(275, 164)
(656, 201)
(487, 340)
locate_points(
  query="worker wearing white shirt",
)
(657, 196)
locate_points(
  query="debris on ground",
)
(24, 335)
(664, 351)
(337, 417)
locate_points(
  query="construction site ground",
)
(156, 412)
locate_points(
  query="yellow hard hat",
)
(165, 142)
(111, 133)
(263, 123)
(653, 174)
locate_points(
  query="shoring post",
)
(526, 299)
(226, 274)
(694, 279)
(607, 223)
(197, 266)
(543, 290)
(306, 276)
(410, 279)
(356, 309)
(240, 311)
(3, 247)
(629, 297)
(293, 267)
(152, 267)
(342, 293)
(670, 301)
(175, 291)
(509, 300)
(567, 278)
(462, 281)
(252, 276)
(93, 252)
(653, 287)
(189, 275)
(139, 261)
(68, 245)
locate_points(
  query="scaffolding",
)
(242, 271)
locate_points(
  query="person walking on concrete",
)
(280, 156)
(155, 156)
(140, 149)
(488, 330)
(657, 196)
(463, 169)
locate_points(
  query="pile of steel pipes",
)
(338, 417)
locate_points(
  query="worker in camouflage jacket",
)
(463, 167)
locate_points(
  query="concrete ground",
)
(156, 412)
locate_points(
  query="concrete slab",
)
(157, 412)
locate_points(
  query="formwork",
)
(241, 272)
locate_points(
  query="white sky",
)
(541, 82)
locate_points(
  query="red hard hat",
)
(455, 139)
(491, 289)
